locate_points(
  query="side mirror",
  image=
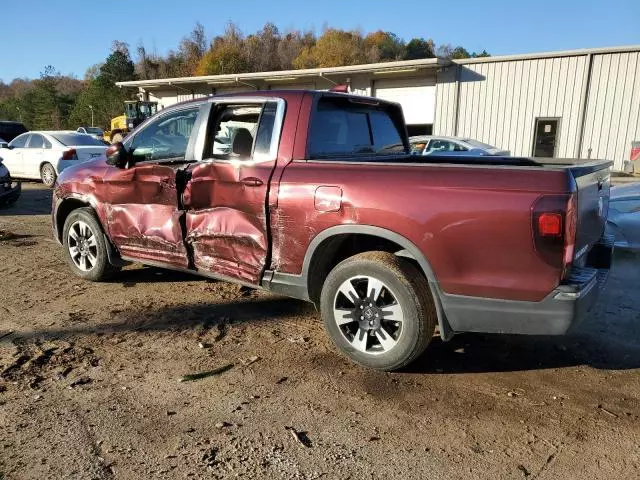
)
(117, 155)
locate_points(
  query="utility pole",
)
(19, 113)
(91, 108)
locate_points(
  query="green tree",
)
(419, 48)
(483, 53)
(118, 67)
(50, 109)
(101, 93)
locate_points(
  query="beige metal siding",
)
(499, 102)
(446, 91)
(612, 119)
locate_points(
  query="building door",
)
(546, 137)
(417, 97)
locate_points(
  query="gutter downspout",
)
(457, 100)
(584, 101)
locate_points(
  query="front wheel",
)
(48, 174)
(378, 310)
(84, 245)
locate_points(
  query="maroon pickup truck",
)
(315, 195)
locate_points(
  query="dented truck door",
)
(143, 213)
(227, 228)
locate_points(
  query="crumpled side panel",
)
(150, 232)
(227, 241)
(144, 220)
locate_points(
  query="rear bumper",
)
(9, 194)
(558, 313)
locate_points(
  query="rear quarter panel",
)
(473, 224)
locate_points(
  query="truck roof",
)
(283, 93)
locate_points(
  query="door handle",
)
(251, 182)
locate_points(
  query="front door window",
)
(166, 138)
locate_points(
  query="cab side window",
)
(166, 138)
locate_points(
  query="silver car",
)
(94, 132)
(624, 216)
(431, 145)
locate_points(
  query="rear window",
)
(477, 144)
(77, 140)
(343, 129)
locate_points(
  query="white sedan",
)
(43, 155)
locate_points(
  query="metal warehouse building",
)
(580, 103)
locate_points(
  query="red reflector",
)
(550, 224)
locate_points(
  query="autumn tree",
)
(226, 55)
(334, 48)
(291, 46)
(192, 48)
(59, 101)
(384, 46)
(261, 49)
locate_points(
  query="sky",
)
(72, 35)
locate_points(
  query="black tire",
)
(48, 175)
(101, 268)
(404, 285)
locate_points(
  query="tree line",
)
(56, 101)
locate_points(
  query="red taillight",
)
(553, 219)
(550, 224)
(70, 154)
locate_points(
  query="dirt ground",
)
(90, 383)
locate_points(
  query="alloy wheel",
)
(83, 247)
(368, 314)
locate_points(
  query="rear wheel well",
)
(63, 212)
(337, 248)
(42, 164)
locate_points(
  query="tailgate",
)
(593, 181)
(85, 153)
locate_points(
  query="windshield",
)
(77, 140)
(146, 110)
(140, 110)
